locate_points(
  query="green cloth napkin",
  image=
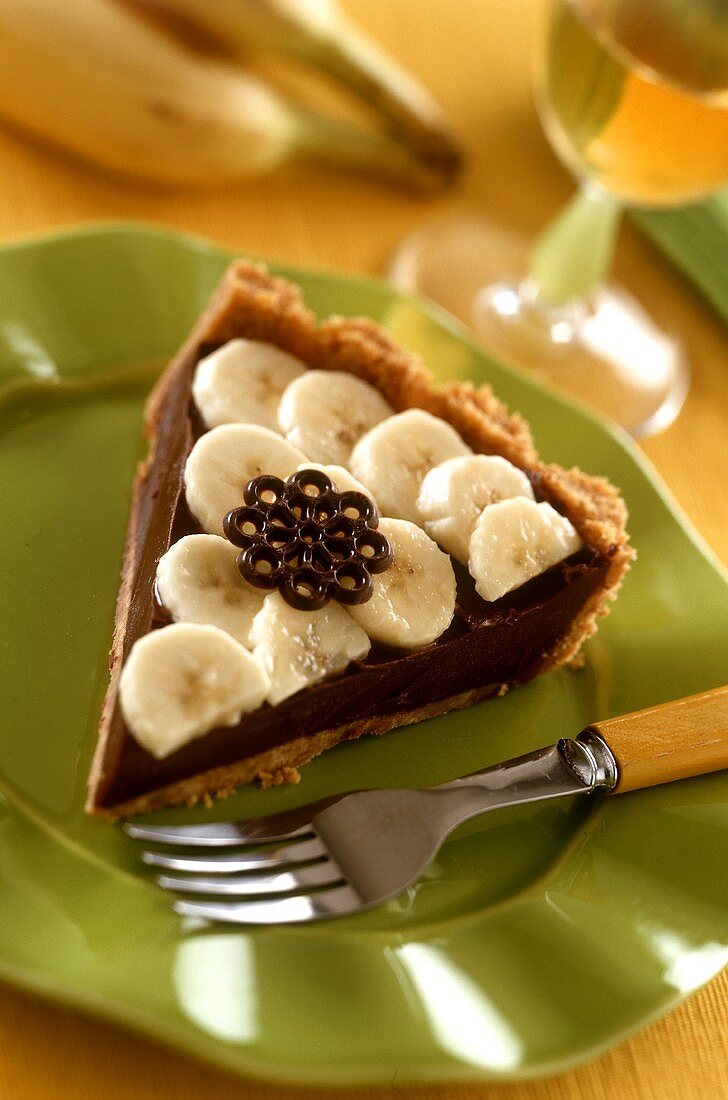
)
(695, 238)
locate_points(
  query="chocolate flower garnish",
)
(306, 539)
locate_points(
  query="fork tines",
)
(220, 834)
(288, 877)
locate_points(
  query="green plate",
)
(541, 935)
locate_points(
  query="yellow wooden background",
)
(474, 56)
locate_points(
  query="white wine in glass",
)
(633, 95)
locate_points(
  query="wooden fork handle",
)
(671, 741)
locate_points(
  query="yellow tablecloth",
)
(474, 56)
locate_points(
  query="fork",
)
(351, 852)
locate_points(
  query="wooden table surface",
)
(474, 56)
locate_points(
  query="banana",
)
(224, 460)
(454, 494)
(316, 32)
(114, 88)
(102, 82)
(185, 679)
(297, 648)
(393, 458)
(414, 598)
(242, 382)
(198, 581)
(343, 481)
(325, 412)
(515, 540)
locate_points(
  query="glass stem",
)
(574, 253)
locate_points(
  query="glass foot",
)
(605, 349)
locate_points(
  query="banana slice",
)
(224, 460)
(324, 412)
(242, 382)
(454, 494)
(414, 598)
(343, 481)
(198, 581)
(297, 648)
(515, 540)
(393, 458)
(185, 679)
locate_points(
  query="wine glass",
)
(633, 95)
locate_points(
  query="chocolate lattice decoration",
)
(306, 539)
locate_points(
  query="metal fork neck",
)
(573, 766)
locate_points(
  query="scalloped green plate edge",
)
(539, 939)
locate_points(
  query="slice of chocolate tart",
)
(324, 544)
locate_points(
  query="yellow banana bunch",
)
(317, 33)
(100, 80)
